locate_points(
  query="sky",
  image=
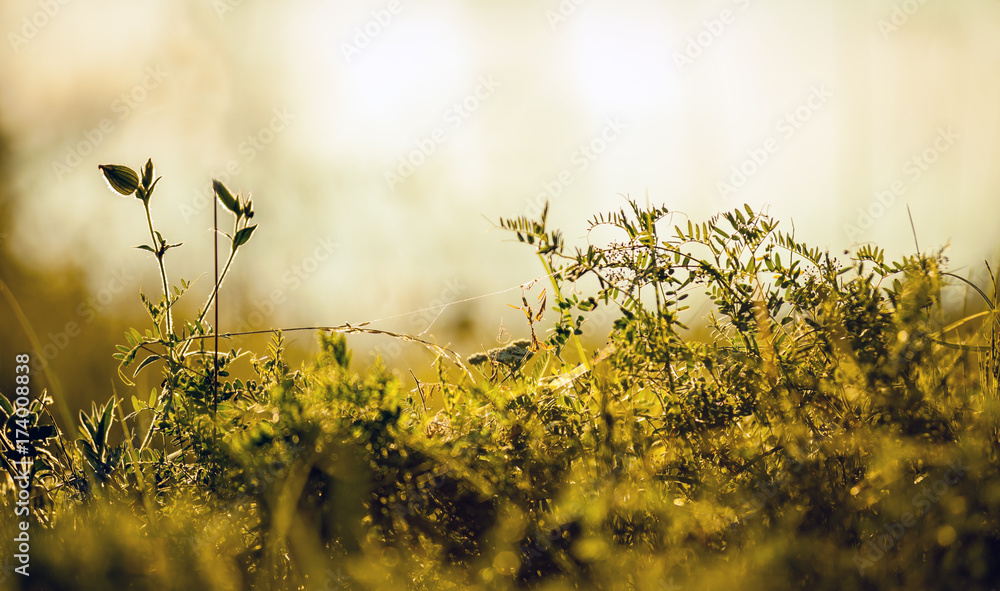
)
(383, 141)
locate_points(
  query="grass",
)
(837, 428)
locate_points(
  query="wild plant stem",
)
(211, 298)
(163, 268)
(559, 297)
(136, 468)
(187, 345)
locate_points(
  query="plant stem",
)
(163, 269)
(187, 345)
(211, 298)
(559, 297)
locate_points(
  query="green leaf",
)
(147, 173)
(121, 179)
(144, 363)
(88, 426)
(243, 236)
(149, 191)
(5, 404)
(137, 404)
(226, 197)
(146, 247)
(105, 425)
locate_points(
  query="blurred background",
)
(382, 141)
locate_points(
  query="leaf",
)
(147, 173)
(144, 363)
(149, 191)
(146, 247)
(121, 179)
(226, 197)
(88, 426)
(8, 408)
(105, 425)
(137, 404)
(243, 236)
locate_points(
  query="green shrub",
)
(829, 431)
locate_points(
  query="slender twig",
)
(211, 300)
(559, 297)
(215, 325)
(348, 328)
(163, 268)
(913, 227)
(147, 501)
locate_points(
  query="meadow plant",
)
(829, 424)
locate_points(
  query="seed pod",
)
(121, 179)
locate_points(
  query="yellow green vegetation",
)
(836, 428)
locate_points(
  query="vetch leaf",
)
(242, 236)
(121, 179)
(226, 197)
(104, 427)
(144, 363)
(88, 426)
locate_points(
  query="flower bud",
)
(121, 179)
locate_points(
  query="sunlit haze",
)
(382, 140)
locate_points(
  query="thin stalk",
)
(147, 501)
(555, 287)
(187, 345)
(211, 299)
(201, 317)
(163, 268)
(215, 324)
